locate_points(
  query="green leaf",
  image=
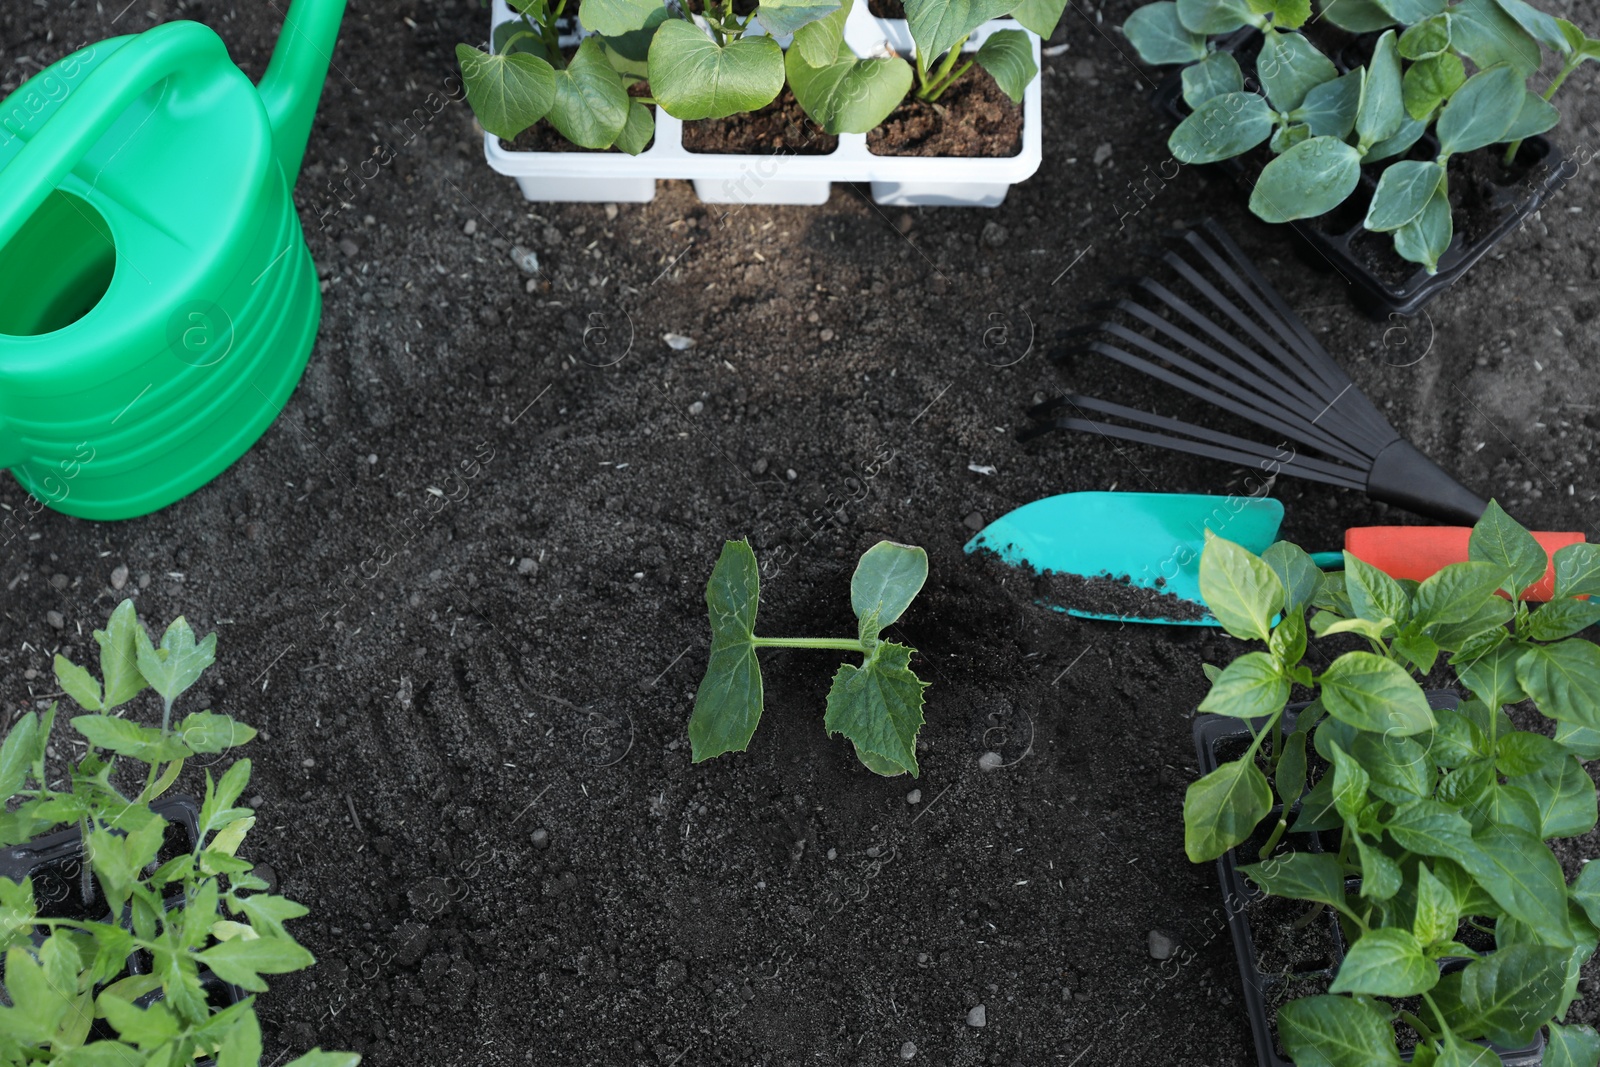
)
(1492, 677)
(1286, 14)
(1428, 38)
(1357, 16)
(1350, 782)
(1581, 741)
(268, 913)
(1159, 36)
(1577, 570)
(1376, 694)
(1403, 191)
(727, 706)
(1289, 67)
(818, 43)
(1373, 594)
(241, 1047)
(1456, 739)
(591, 106)
(1335, 1031)
(1524, 752)
(640, 129)
(1301, 876)
(693, 77)
(1454, 593)
(1380, 875)
(1437, 912)
(1485, 34)
(208, 732)
(1317, 809)
(1468, 787)
(878, 705)
(78, 684)
(1564, 680)
(889, 575)
(1430, 828)
(144, 1027)
(1563, 794)
(617, 18)
(1214, 76)
(40, 989)
(1537, 116)
(178, 663)
(1545, 29)
(1250, 687)
(218, 810)
(1330, 108)
(1427, 237)
(1301, 578)
(24, 747)
(98, 1054)
(1400, 768)
(1215, 16)
(1430, 82)
(119, 657)
(1308, 180)
(1506, 996)
(782, 18)
(1223, 808)
(1523, 877)
(508, 93)
(1411, 12)
(1498, 538)
(1290, 775)
(1288, 641)
(1008, 57)
(1240, 588)
(1040, 16)
(1571, 1046)
(1478, 115)
(244, 962)
(1386, 962)
(1382, 108)
(1222, 127)
(144, 743)
(937, 26)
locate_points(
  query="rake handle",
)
(1419, 552)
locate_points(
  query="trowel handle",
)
(186, 52)
(1419, 552)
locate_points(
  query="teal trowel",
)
(1147, 540)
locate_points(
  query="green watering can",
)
(157, 299)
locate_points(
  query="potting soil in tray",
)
(780, 128)
(973, 118)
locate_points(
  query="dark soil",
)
(526, 658)
(1285, 950)
(780, 128)
(1102, 595)
(887, 9)
(972, 118)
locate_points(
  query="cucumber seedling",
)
(877, 705)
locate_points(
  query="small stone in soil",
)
(55, 619)
(1161, 946)
(914, 797)
(1102, 153)
(540, 839)
(308, 763)
(908, 1050)
(758, 467)
(973, 521)
(119, 576)
(526, 258)
(527, 565)
(978, 1017)
(995, 235)
(697, 407)
(989, 761)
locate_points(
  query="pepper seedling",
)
(1435, 820)
(877, 705)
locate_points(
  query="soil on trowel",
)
(972, 118)
(1098, 595)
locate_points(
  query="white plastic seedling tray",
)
(615, 177)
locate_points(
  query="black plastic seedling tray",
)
(1335, 241)
(54, 862)
(1239, 897)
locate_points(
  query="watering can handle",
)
(186, 52)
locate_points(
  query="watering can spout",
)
(294, 77)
